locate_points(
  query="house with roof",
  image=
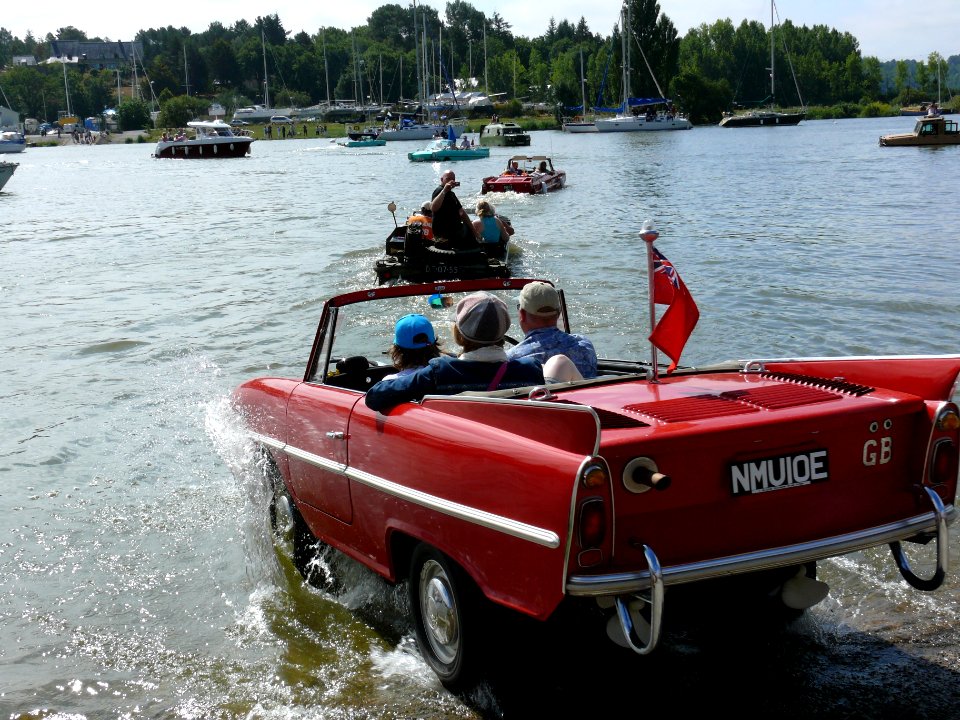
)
(96, 55)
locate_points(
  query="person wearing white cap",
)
(482, 322)
(539, 310)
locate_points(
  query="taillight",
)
(593, 523)
(948, 420)
(944, 463)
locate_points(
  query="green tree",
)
(703, 100)
(134, 115)
(178, 111)
(901, 79)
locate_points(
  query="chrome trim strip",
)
(517, 529)
(818, 358)
(508, 526)
(267, 440)
(631, 582)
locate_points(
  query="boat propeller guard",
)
(627, 609)
(943, 551)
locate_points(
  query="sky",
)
(887, 29)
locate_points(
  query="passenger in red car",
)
(539, 310)
(414, 345)
(482, 322)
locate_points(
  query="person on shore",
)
(414, 345)
(450, 220)
(539, 311)
(488, 227)
(482, 321)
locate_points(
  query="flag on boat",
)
(680, 318)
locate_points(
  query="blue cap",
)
(413, 332)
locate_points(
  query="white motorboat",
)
(423, 131)
(12, 142)
(212, 139)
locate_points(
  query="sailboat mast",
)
(326, 69)
(583, 85)
(66, 87)
(266, 86)
(625, 49)
(772, 90)
(486, 79)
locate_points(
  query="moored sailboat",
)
(770, 116)
(659, 113)
(580, 124)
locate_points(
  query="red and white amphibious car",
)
(530, 174)
(604, 491)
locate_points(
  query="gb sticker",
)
(878, 451)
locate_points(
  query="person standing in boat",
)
(450, 220)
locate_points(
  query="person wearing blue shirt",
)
(539, 310)
(482, 322)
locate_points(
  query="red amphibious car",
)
(603, 491)
(529, 174)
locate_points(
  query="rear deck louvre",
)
(837, 384)
(738, 402)
(698, 407)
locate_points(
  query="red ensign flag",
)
(679, 320)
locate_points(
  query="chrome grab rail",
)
(943, 550)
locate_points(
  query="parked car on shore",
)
(281, 120)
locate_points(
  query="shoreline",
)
(51, 139)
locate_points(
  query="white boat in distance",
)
(660, 120)
(259, 113)
(580, 124)
(423, 131)
(625, 120)
(12, 142)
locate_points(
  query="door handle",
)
(335, 435)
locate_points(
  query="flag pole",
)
(648, 234)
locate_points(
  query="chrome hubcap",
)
(439, 612)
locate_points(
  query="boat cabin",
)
(930, 130)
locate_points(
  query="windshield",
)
(366, 329)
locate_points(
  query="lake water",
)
(137, 576)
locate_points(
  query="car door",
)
(317, 447)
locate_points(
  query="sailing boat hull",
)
(762, 119)
(640, 123)
(579, 127)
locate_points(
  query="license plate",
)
(779, 472)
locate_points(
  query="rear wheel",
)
(447, 617)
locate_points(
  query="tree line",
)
(711, 69)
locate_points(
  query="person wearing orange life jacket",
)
(425, 218)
